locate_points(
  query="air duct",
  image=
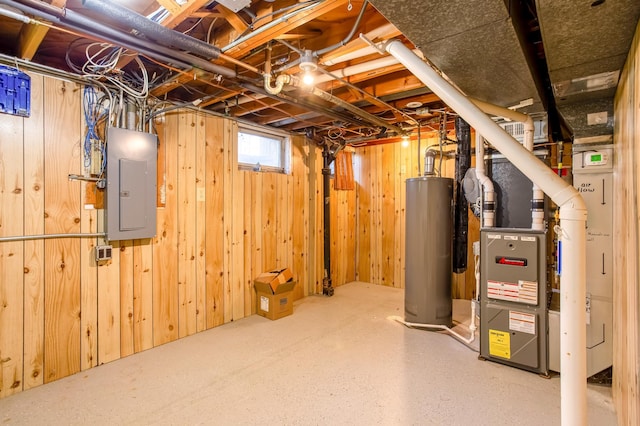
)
(573, 216)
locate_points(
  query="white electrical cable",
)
(465, 340)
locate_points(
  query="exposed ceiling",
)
(528, 53)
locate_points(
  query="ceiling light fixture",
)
(308, 65)
(405, 140)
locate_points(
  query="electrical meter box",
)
(513, 298)
(131, 184)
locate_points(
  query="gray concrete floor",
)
(337, 360)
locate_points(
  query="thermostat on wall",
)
(595, 158)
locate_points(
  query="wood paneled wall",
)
(380, 172)
(218, 228)
(626, 285)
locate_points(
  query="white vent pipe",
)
(573, 219)
(488, 199)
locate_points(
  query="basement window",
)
(262, 150)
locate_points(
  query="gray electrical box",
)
(513, 298)
(593, 178)
(131, 184)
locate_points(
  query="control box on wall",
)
(131, 184)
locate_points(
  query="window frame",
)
(285, 149)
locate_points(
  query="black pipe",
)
(327, 157)
(153, 30)
(461, 218)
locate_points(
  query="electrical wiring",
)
(101, 64)
(94, 112)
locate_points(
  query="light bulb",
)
(405, 140)
(307, 78)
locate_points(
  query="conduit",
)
(573, 217)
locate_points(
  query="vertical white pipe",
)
(488, 199)
(573, 317)
(573, 218)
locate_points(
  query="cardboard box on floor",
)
(274, 293)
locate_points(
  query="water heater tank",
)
(428, 239)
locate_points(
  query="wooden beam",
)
(185, 11)
(232, 18)
(31, 36)
(294, 22)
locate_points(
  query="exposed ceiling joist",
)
(31, 36)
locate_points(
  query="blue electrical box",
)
(15, 92)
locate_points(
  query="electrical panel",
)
(131, 184)
(593, 178)
(513, 298)
(15, 92)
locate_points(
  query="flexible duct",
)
(573, 218)
(152, 30)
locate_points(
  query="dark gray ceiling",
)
(473, 42)
(478, 45)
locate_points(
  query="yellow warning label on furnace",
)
(500, 344)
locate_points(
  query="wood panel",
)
(387, 216)
(127, 295)
(165, 267)
(11, 255)
(363, 185)
(300, 217)
(142, 295)
(214, 223)
(201, 224)
(256, 230)
(62, 215)
(109, 319)
(214, 191)
(34, 249)
(626, 294)
(186, 179)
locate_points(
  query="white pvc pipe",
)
(488, 214)
(573, 218)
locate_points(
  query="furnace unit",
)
(513, 298)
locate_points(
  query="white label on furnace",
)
(264, 303)
(522, 292)
(494, 236)
(511, 237)
(523, 238)
(520, 321)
